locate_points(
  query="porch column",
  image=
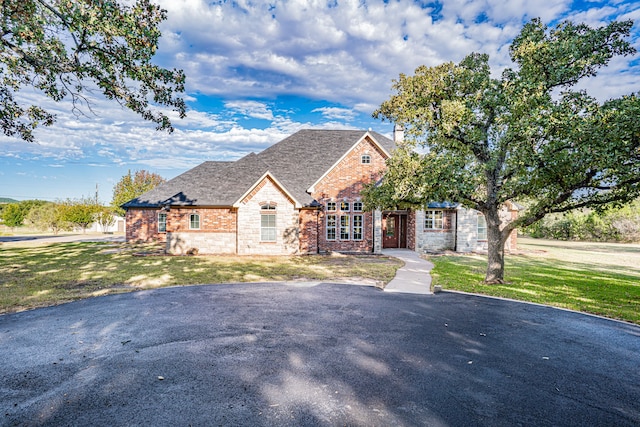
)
(377, 231)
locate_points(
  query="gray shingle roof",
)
(297, 162)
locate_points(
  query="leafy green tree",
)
(81, 213)
(65, 49)
(129, 187)
(527, 134)
(13, 215)
(105, 218)
(49, 216)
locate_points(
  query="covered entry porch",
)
(394, 230)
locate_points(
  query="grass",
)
(597, 278)
(36, 276)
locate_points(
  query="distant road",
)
(88, 237)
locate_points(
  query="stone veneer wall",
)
(435, 240)
(287, 217)
(377, 231)
(467, 239)
(344, 183)
(180, 243)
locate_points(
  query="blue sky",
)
(259, 71)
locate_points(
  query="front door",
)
(394, 231)
(390, 231)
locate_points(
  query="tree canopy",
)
(527, 134)
(65, 49)
(129, 187)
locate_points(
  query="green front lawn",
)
(589, 285)
(35, 276)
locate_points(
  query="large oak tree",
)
(66, 49)
(528, 134)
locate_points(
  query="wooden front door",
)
(390, 232)
(394, 231)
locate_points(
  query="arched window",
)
(268, 232)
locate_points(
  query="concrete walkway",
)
(414, 277)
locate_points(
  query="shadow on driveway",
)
(273, 354)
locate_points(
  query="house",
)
(299, 196)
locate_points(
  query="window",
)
(391, 226)
(331, 227)
(365, 159)
(344, 227)
(331, 206)
(194, 222)
(434, 220)
(482, 227)
(268, 227)
(268, 222)
(344, 206)
(357, 227)
(357, 206)
(162, 222)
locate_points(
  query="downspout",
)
(455, 234)
(317, 231)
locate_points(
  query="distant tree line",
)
(81, 213)
(620, 224)
(57, 216)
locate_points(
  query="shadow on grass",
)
(45, 275)
(577, 286)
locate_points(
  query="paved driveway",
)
(275, 354)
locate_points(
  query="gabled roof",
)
(304, 157)
(295, 163)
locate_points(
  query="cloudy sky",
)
(259, 71)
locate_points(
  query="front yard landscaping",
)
(36, 276)
(597, 278)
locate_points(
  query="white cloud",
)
(250, 53)
(335, 113)
(255, 109)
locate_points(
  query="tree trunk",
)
(495, 248)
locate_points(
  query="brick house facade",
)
(299, 196)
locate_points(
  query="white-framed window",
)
(357, 206)
(194, 221)
(357, 227)
(365, 159)
(268, 228)
(331, 206)
(268, 232)
(344, 227)
(331, 227)
(433, 220)
(344, 206)
(162, 222)
(482, 227)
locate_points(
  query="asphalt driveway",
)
(275, 354)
